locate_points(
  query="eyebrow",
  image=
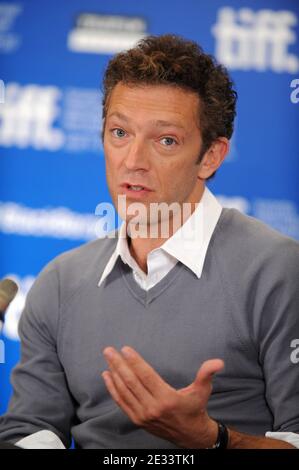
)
(157, 123)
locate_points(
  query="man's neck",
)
(141, 247)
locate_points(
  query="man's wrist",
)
(222, 437)
(209, 437)
(219, 436)
(238, 440)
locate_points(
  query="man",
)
(142, 341)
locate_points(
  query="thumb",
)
(205, 374)
(207, 370)
(203, 379)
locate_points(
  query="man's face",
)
(152, 139)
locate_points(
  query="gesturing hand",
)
(178, 416)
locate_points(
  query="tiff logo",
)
(27, 117)
(256, 40)
(2, 352)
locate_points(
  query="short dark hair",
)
(172, 60)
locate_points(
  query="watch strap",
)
(222, 438)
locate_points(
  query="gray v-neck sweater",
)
(244, 309)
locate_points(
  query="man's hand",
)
(178, 416)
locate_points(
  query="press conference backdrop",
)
(53, 54)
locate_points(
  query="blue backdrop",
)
(53, 54)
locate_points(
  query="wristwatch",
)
(222, 438)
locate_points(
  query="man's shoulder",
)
(244, 237)
(93, 253)
(255, 263)
(71, 269)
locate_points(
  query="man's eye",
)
(168, 141)
(118, 132)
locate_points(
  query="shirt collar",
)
(189, 244)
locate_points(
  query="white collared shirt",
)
(189, 244)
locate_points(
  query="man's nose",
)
(137, 156)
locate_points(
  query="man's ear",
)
(213, 158)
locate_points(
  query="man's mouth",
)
(135, 187)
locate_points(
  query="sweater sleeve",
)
(41, 399)
(277, 334)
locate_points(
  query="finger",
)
(119, 365)
(115, 394)
(147, 375)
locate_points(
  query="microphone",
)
(8, 291)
